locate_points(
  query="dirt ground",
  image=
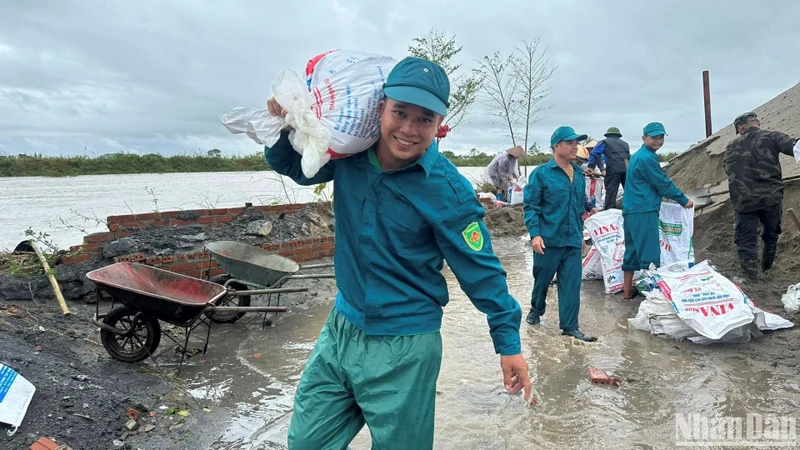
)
(82, 393)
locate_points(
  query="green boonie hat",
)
(419, 82)
(613, 131)
(742, 119)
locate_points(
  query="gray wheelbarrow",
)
(255, 270)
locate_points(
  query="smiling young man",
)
(554, 204)
(401, 210)
(647, 184)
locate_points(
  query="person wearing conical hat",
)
(617, 155)
(503, 171)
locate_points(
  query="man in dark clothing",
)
(756, 190)
(617, 154)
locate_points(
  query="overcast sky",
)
(154, 76)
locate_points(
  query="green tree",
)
(440, 48)
(214, 153)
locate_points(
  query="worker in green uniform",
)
(554, 203)
(401, 209)
(646, 185)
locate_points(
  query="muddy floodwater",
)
(254, 372)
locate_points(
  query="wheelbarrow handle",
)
(316, 266)
(245, 293)
(245, 309)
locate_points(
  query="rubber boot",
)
(768, 257)
(750, 269)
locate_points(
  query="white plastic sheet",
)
(15, 395)
(334, 112)
(791, 299)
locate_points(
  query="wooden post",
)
(707, 102)
(53, 281)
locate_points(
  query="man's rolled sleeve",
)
(478, 271)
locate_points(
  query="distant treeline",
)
(480, 159)
(126, 163)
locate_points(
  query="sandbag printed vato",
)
(334, 111)
(705, 300)
(675, 231)
(606, 229)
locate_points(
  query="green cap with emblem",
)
(419, 82)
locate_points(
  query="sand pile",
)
(702, 165)
(505, 221)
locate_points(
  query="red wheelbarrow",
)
(131, 332)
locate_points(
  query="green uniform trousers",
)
(567, 263)
(387, 382)
(641, 242)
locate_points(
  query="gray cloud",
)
(93, 76)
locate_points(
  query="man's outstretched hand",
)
(515, 375)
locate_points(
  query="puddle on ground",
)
(253, 373)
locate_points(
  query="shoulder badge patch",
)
(473, 236)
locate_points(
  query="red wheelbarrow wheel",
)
(230, 300)
(138, 345)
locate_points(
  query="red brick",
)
(302, 250)
(310, 256)
(75, 248)
(328, 252)
(153, 260)
(223, 219)
(272, 247)
(133, 413)
(287, 252)
(235, 211)
(99, 237)
(184, 268)
(182, 257)
(147, 216)
(113, 227)
(139, 257)
(289, 244)
(131, 224)
(162, 223)
(181, 222)
(121, 219)
(170, 214)
(124, 259)
(328, 246)
(91, 248)
(216, 212)
(167, 259)
(295, 206)
(44, 444)
(121, 234)
(206, 220)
